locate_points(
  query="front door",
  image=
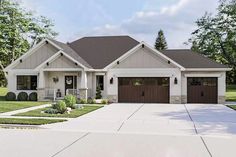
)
(70, 83)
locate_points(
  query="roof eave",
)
(208, 69)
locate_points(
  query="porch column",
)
(84, 87)
(41, 86)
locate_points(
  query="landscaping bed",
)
(73, 114)
(22, 121)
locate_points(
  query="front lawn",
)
(231, 93)
(22, 121)
(73, 114)
(7, 106)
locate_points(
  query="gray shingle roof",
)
(98, 52)
(189, 59)
(101, 51)
(67, 49)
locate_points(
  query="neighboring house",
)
(126, 70)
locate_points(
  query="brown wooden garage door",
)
(202, 90)
(143, 90)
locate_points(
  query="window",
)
(26, 82)
(100, 81)
(137, 82)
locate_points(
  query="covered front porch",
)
(54, 84)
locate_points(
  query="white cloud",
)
(177, 21)
(173, 9)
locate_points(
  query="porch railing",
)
(74, 92)
(50, 93)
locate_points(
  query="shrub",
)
(70, 101)
(33, 96)
(60, 106)
(98, 93)
(51, 111)
(104, 101)
(83, 101)
(10, 96)
(22, 96)
(91, 101)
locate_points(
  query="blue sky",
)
(140, 19)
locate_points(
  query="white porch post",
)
(84, 87)
(41, 85)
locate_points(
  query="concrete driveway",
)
(124, 130)
(183, 119)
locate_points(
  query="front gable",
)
(36, 58)
(61, 62)
(144, 58)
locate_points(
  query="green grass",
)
(29, 121)
(6, 106)
(75, 113)
(231, 93)
(232, 106)
(3, 92)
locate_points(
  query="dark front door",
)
(70, 82)
(202, 90)
(143, 90)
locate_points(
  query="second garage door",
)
(202, 90)
(143, 90)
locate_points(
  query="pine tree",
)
(161, 43)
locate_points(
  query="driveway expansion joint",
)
(71, 144)
(204, 143)
(130, 117)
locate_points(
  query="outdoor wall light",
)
(175, 81)
(111, 80)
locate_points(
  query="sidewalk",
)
(24, 110)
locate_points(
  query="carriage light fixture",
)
(111, 80)
(175, 81)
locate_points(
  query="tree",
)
(161, 43)
(215, 36)
(19, 30)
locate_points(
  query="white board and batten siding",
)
(144, 63)
(37, 58)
